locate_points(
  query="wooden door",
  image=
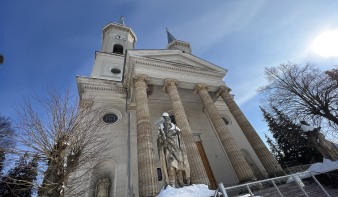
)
(207, 165)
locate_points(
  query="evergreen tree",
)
(20, 179)
(290, 143)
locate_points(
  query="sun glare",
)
(326, 44)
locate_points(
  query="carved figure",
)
(324, 146)
(102, 185)
(172, 153)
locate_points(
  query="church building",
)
(133, 88)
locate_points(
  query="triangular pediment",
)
(179, 58)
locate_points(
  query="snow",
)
(307, 128)
(199, 190)
(318, 168)
(248, 195)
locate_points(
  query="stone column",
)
(241, 167)
(269, 162)
(147, 172)
(197, 169)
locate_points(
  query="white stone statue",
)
(102, 185)
(172, 153)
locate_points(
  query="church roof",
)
(121, 21)
(171, 38)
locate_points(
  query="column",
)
(269, 162)
(241, 167)
(148, 180)
(198, 174)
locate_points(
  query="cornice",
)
(176, 68)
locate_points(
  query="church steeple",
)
(117, 38)
(121, 21)
(171, 38)
(177, 44)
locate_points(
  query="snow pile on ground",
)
(199, 190)
(318, 168)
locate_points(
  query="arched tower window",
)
(118, 49)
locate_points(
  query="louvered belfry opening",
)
(118, 49)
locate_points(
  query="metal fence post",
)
(247, 186)
(221, 186)
(320, 185)
(300, 187)
(276, 188)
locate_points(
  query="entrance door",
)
(207, 165)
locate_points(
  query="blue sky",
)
(48, 42)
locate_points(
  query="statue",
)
(172, 153)
(324, 146)
(102, 186)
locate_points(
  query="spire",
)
(121, 21)
(171, 38)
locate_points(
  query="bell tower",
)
(116, 39)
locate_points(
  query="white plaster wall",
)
(238, 134)
(104, 63)
(109, 41)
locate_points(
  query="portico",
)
(220, 143)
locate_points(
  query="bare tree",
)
(68, 137)
(304, 93)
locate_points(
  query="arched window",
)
(118, 49)
(225, 120)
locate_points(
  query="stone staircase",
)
(292, 190)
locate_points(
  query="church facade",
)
(133, 88)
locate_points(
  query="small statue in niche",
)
(102, 186)
(172, 153)
(324, 146)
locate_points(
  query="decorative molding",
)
(201, 86)
(222, 89)
(110, 111)
(105, 88)
(179, 69)
(170, 82)
(117, 27)
(119, 37)
(140, 78)
(131, 106)
(150, 90)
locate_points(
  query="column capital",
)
(223, 89)
(140, 77)
(170, 82)
(201, 86)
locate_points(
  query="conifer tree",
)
(290, 143)
(20, 180)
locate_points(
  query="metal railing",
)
(244, 189)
